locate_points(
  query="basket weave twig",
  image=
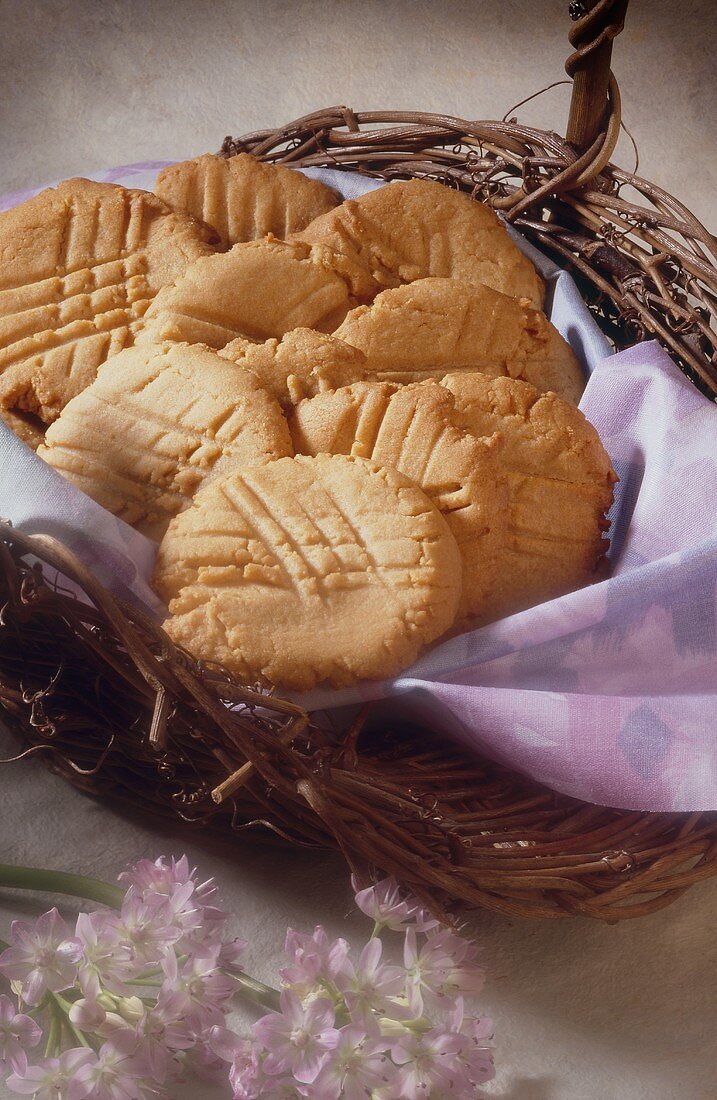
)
(97, 689)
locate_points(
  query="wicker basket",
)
(96, 688)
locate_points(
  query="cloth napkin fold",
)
(608, 693)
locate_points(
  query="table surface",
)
(582, 1011)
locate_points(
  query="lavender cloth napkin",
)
(608, 693)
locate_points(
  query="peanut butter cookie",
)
(437, 326)
(79, 266)
(301, 364)
(560, 482)
(414, 430)
(416, 229)
(257, 290)
(242, 198)
(157, 424)
(309, 570)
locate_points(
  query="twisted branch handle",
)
(598, 24)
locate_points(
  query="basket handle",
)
(598, 23)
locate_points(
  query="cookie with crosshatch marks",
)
(309, 570)
(302, 364)
(417, 229)
(243, 198)
(158, 423)
(258, 290)
(414, 429)
(438, 326)
(79, 265)
(560, 484)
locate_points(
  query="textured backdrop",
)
(87, 83)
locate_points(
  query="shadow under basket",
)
(96, 689)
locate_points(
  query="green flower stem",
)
(65, 1007)
(154, 973)
(332, 990)
(63, 1031)
(256, 991)
(336, 997)
(59, 882)
(53, 1034)
(62, 1003)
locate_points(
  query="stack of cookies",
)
(349, 426)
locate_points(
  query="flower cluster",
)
(128, 999)
(133, 999)
(357, 1028)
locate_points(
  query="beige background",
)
(87, 84)
(583, 1012)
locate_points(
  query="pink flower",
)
(245, 1076)
(427, 1060)
(153, 985)
(357, 1065)
(298, 1038)
(444, 965)
(202, 1061)
(195, 990)
(50, 1078)
(368, 986)
(115, 1073)
(476, 1055)
(17, 1034)
(144, 925)
(313, 958)
(388, 908)
(105, 960)
(163, 876)
(477, 1059)
(188, 902)
(159, 1035)
(42, 956)
(230, 951)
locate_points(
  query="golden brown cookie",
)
(309, 570)
(413, 429)
(418, 228)
(79, 266)
(157, 424)
(438, 326)
(258, 290)
(27, 427)
(242, 198)
(560, 482)
(301, 364)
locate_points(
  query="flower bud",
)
(112, 1023)
(87, 1015)
(130, 1009)
(392, 1029)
